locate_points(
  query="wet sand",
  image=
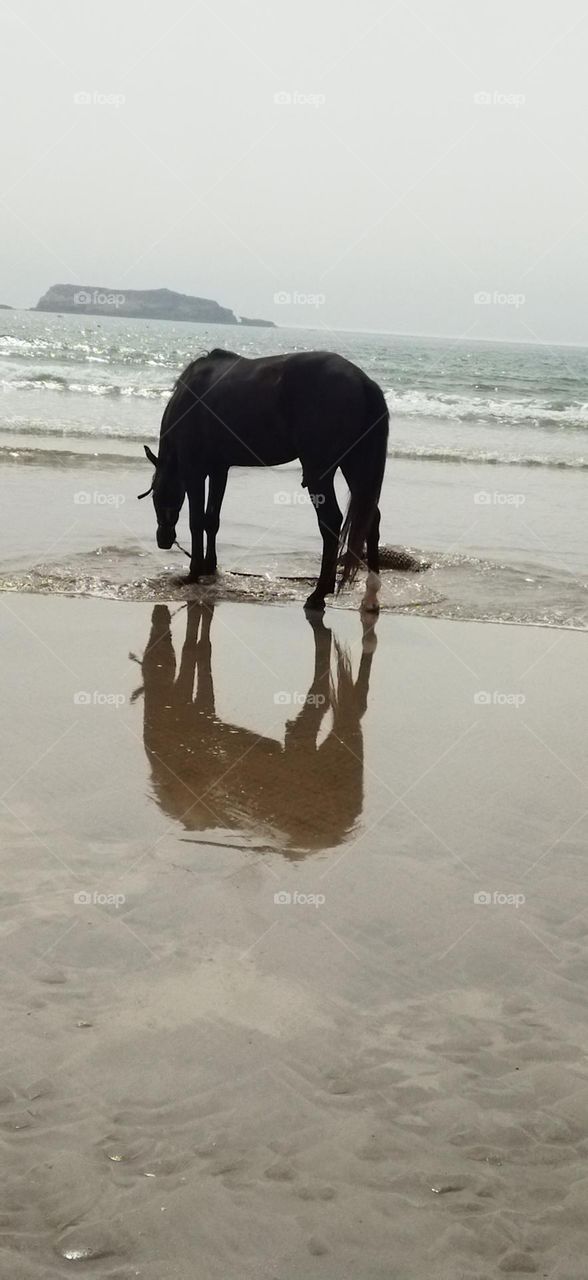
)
(256, 1024)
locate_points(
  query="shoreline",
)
(182, 599)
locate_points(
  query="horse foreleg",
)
(195, 491)
(322, 492)
(216, 491)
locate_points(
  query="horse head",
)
(168, 496)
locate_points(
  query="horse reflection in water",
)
(297, 796)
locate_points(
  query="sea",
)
(486, 480)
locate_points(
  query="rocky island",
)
(139, 304)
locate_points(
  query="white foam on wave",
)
(534, 411)
(55, 382)
(414, 404)
(486, 457)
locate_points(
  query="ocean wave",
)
(82, 352)
(57, 382)
(481, 457)
(539, 412)
(534, 411)
(42, 431)
(63, 458)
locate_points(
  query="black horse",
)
(228, 411)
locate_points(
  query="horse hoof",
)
(370, 602)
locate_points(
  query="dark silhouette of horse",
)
(207, 774)
(228, 411)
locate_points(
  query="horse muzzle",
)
(165, 537)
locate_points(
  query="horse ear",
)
(150, 455)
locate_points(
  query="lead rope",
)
(186, 553)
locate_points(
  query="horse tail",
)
(368, 461)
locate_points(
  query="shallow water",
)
(488, 449)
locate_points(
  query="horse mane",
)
(216, 353)
(223, 353)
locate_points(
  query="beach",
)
(293, 963)
(293, 627)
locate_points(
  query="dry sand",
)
(379, 1078)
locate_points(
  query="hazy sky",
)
(428, 151)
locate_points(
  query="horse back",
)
(268, 409)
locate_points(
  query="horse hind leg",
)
(370, 600)
(373, 544)
(330, 519)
